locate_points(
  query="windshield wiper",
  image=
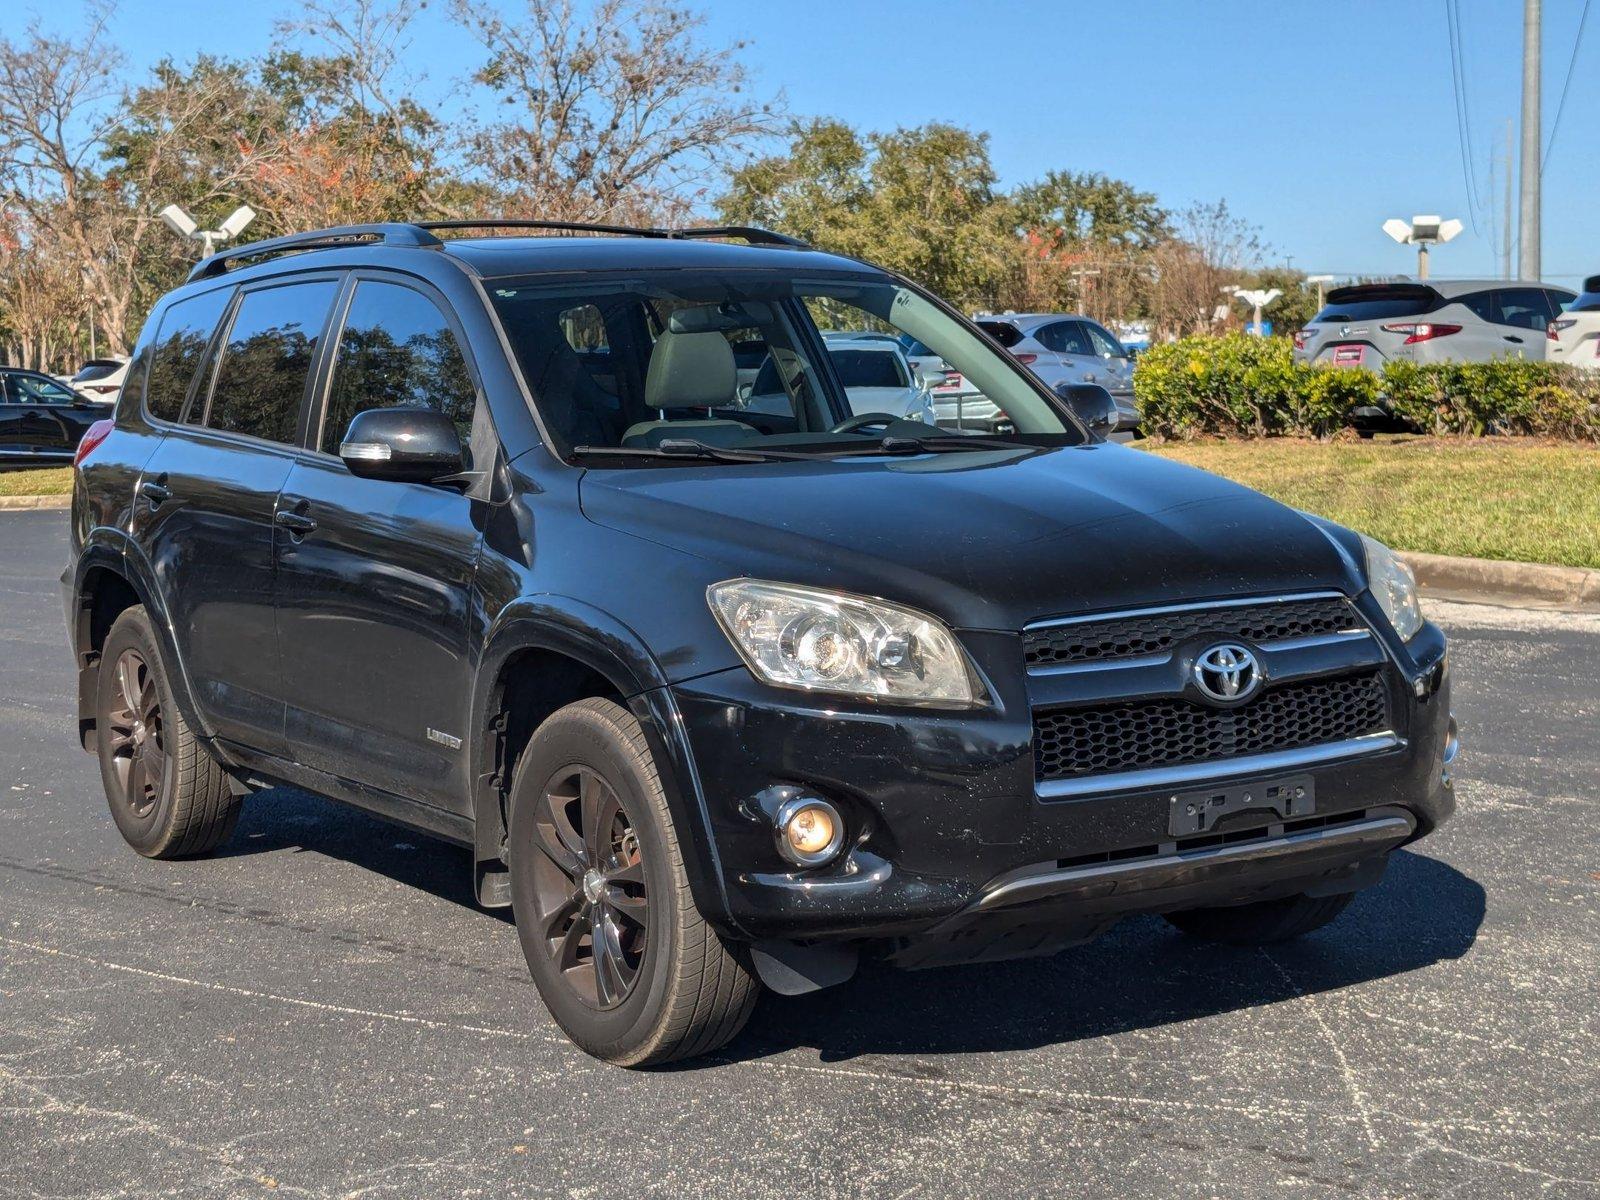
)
(951, 442)
(690, 448)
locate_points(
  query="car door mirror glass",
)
(412, 445)
(1092, 405)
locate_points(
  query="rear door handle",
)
(298, 524)
(154, 492)
(1510, 337)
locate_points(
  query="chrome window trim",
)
(1156, 778)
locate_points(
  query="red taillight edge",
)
(1421, 332)
(92, 437)
(1025, 359)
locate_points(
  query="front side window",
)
(181, 342)
(37, 389)
(396, 351)
(682, 351)
(266, 362)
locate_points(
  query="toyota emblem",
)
(1227, 673)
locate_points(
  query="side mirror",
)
(1092, 405)
(411, 445)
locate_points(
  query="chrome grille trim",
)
(1156, 778)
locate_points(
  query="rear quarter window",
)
(180, 344)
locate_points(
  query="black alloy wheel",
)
(593, 905)
(137, 745)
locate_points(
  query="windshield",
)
(739, 360)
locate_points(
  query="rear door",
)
(376, 607)
(207, 496)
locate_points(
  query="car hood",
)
(987, 540)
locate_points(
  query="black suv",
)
(479, 533)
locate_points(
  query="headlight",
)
(833, 642)
(1395, 587)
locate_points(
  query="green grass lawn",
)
(36, 481)
(1484, 498)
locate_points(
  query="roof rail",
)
(563, 226)
(388, 233)
(419, 234)
(753, 234)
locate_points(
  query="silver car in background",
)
(873, 370)
(1064, 348)
(1466, 320)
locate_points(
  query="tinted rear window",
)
(1378, 303)
(866, 368)
(1004, 332)
(180, 344)
(267, 361)
(100, 368)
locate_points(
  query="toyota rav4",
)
(476, 531)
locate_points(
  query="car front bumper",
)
(947, 821)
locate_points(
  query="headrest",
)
(691, 370)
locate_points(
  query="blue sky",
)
(1316, 122)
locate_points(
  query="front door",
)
(204, 509)
(376, 605)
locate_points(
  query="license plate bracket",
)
(1199, 812)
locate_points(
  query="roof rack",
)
(420, 235)
(750, 233)
(387, 233)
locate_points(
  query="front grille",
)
(1161, 733)
(1156, 632)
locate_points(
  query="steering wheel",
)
(863, 421)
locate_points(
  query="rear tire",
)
(595, 862)
(168, 796)
(1262, 923)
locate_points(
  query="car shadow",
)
(1142, 974)
(285, 818)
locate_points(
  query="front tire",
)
(621, 956)
(1262, 923)
(168, 796)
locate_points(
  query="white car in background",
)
(1573, 337)
(875, 375)
(100, 379)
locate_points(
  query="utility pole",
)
(1528, 246)
(1505, 235)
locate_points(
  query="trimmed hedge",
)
(1239, 386)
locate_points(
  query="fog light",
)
(809, 831)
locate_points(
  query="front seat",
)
(690, 371)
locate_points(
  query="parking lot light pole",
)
(186, 227)
(1258, 300)
(1422, 232)
(1320, 281)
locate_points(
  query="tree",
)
(1090, 209)
(615, 111)
(918, 201)
(1212, 249)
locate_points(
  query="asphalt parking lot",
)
(320, 1010)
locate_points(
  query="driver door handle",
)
(156, 493)
(297, 523)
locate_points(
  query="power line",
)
(1458, 84)
(1561, 106)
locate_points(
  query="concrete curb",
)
(1519, 585)
(12, 503)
